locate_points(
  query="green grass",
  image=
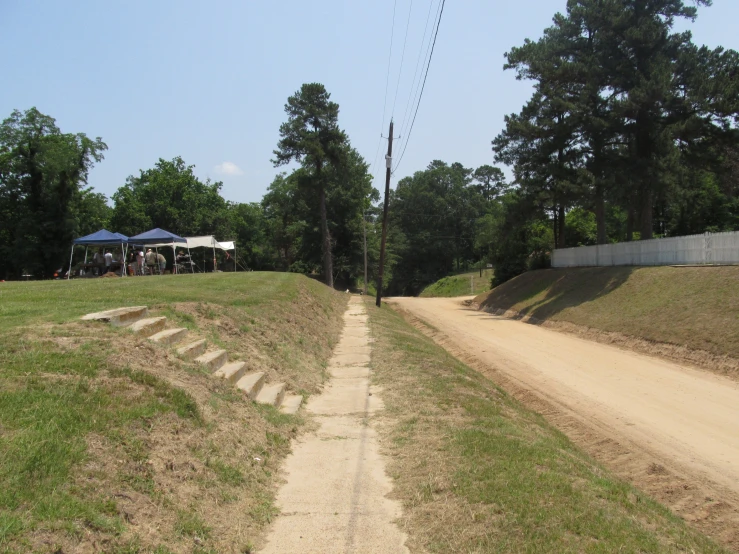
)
(697, 307)
(190, 524)
(61, 301)
(64, 383)
(477, 472)
(459, 285)
(44, 424)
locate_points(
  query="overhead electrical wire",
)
(414, 86)
(387, 81)
(402, 57)
(428, 65)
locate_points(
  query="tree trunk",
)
(600, 215)
(561, 221)
(629, 223)
(555, 229)
(645, 229)
(328, 269)
(364, 229)
(646, 184)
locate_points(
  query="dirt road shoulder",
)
(478, 472)
(709, 505)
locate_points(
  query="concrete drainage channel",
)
(253, 384)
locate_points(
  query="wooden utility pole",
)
(388, 165)
(364, 226)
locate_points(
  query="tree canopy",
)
(311, 135)
(623, 108)
(44, 201)
(630, 133)
(171, 197)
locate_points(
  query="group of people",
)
(106, 260)
(138, 262)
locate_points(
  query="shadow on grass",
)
(547, 292)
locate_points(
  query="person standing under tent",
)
(162, 263)
(99, 261)
(108, 260)
(151, 260)
(140, 261)
(131, 262)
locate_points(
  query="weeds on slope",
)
(109, 443)
(459, 285)
(476, 472)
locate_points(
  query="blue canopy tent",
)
(159, 237)
(103, 237)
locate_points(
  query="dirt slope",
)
(110, 443)
(670, 430)
(684, 313)
(459, 285)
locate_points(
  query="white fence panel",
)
(709, 248)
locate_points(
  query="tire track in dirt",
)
(711, 507)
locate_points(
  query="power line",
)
(426, 60)
(374, 163)
(402, 58)
(428, 65)
(414, 87)
(430, 53)
(389, 59)
(387, 82)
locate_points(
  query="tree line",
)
(629, 121)
(630, 133)
(311, 220)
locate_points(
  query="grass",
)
(459, 285)
(104, 436)
(697, 307)
(476, 472)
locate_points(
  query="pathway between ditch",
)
(335, 498)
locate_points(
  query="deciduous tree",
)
(43, 173)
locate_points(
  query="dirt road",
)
(671, 430)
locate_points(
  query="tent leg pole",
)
(214, 259)
(85, 254)
(174, 263)
(71, 255)
(189, 255)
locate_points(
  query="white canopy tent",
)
(209, 241)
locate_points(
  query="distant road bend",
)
(653, 422)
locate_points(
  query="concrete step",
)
(148, 326)
(169, 336)
(251, 384)
(272, 394)
(291, 404)
(193, 349)
(231, 372)
(118, 317)
(213, 359)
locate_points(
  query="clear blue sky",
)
(208, 80)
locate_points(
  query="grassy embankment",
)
(476, 472)
(459, 285)
(110, 443)
(690, 307)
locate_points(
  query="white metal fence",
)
(709, 248)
